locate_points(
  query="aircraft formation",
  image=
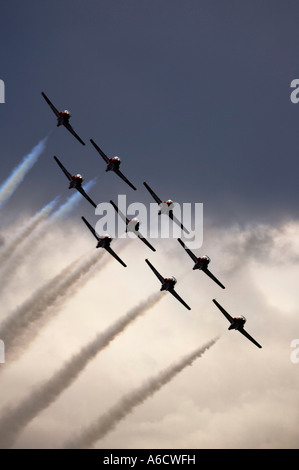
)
(165, 207)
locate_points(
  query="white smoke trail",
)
(14, 420)
(25, 231)
(22, 326)
(9, 186)
(101, 426)
(9, 269)
(65, 209)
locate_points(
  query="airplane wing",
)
(144, 240)
(69, 128)
(100, 151)
(51, 104)
(90, 228)
(192, 255)
(244, 332)
(67, 174)
(173, 217)
(115, 255)
(176, 295)
(225, 313)
(161, 278)
(213, 277)
(125, 219)
(157, 199)
(81, 190)
(119, 173)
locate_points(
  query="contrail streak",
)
(14, 420)
(25, 231)
(65, 209)
(9, 186)
(20, 327)
(9, 269)
(100, 427)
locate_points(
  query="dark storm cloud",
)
(195, 96)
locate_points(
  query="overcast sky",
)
(194, 97)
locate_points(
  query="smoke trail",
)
(100, 427)
(26, 231)
(13, 421)
(65, 209)
(8, 271)
(12, 182)
(20, 329)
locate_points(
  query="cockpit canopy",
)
(240, 318)
(79, 176)
(169, 202)
(205, 258)
(116, 159)
(171, 279)
(66, 112)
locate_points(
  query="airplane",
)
(75, 182)
(166, 207)
(201, 263)
(132, 225)
(63, 118)
(236, 323)
(103, 242)
(168, 284)
(112, 164)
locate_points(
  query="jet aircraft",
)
(103, 242)
(166, 207)
(201, 263)
(112, 164)
(63, 118)
(168, 284)
(236, 323)
(75, 182)
(132, 225)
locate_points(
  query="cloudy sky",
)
(194, 97)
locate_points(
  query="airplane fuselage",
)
(113, 164)
(202, 262)
(238, 323)
(63, 118)
(133, 225)
(166, 207)
(168, 283)
(76, 182)
(104, 242)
